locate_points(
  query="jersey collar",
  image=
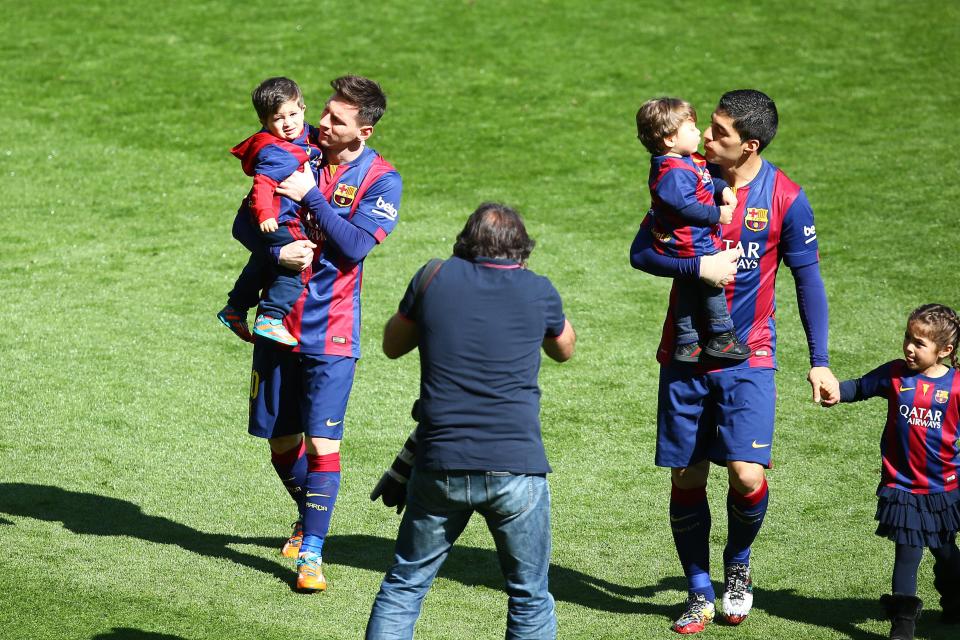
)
(496, 263)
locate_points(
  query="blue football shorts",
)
(719, 416)
(298, 393)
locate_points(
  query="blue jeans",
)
(439, 505)
(692, 298)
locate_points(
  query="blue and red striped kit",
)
(676, 182)
(919, 445)
(773, 222)
(269, 160)
(325, 319)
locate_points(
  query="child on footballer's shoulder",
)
(918, 497)
(686, 224)
(281, 147)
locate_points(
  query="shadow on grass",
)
(472, 566)
(845, 614)
(126, 633)
(89, 514)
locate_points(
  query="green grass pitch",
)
(132, 502)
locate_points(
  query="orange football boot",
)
(309, 573)
(291, 548)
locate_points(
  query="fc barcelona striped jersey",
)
(270, 160)
(682, 200)
(773, 222)
(326, 318)
(919, 447)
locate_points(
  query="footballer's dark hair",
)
(941, 324)
(363, 93)
(272, 93)
(754, 115)
(661, 117)
(494, 230)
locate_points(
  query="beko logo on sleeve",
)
(385, 209)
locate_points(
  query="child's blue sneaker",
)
(273, 329)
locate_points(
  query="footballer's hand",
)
(297, 184)
(729, 197)
(269, 225)
(297, 255)
(726, 214)
(392, 492)
(826, 387)
(719, 269)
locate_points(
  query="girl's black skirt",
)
(919, 520)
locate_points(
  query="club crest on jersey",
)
(755, 219)
(941, 396)
(344, 194)
(705, 176)
(665, 238)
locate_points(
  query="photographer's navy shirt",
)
(481, 325)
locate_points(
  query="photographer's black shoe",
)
(725, 346)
